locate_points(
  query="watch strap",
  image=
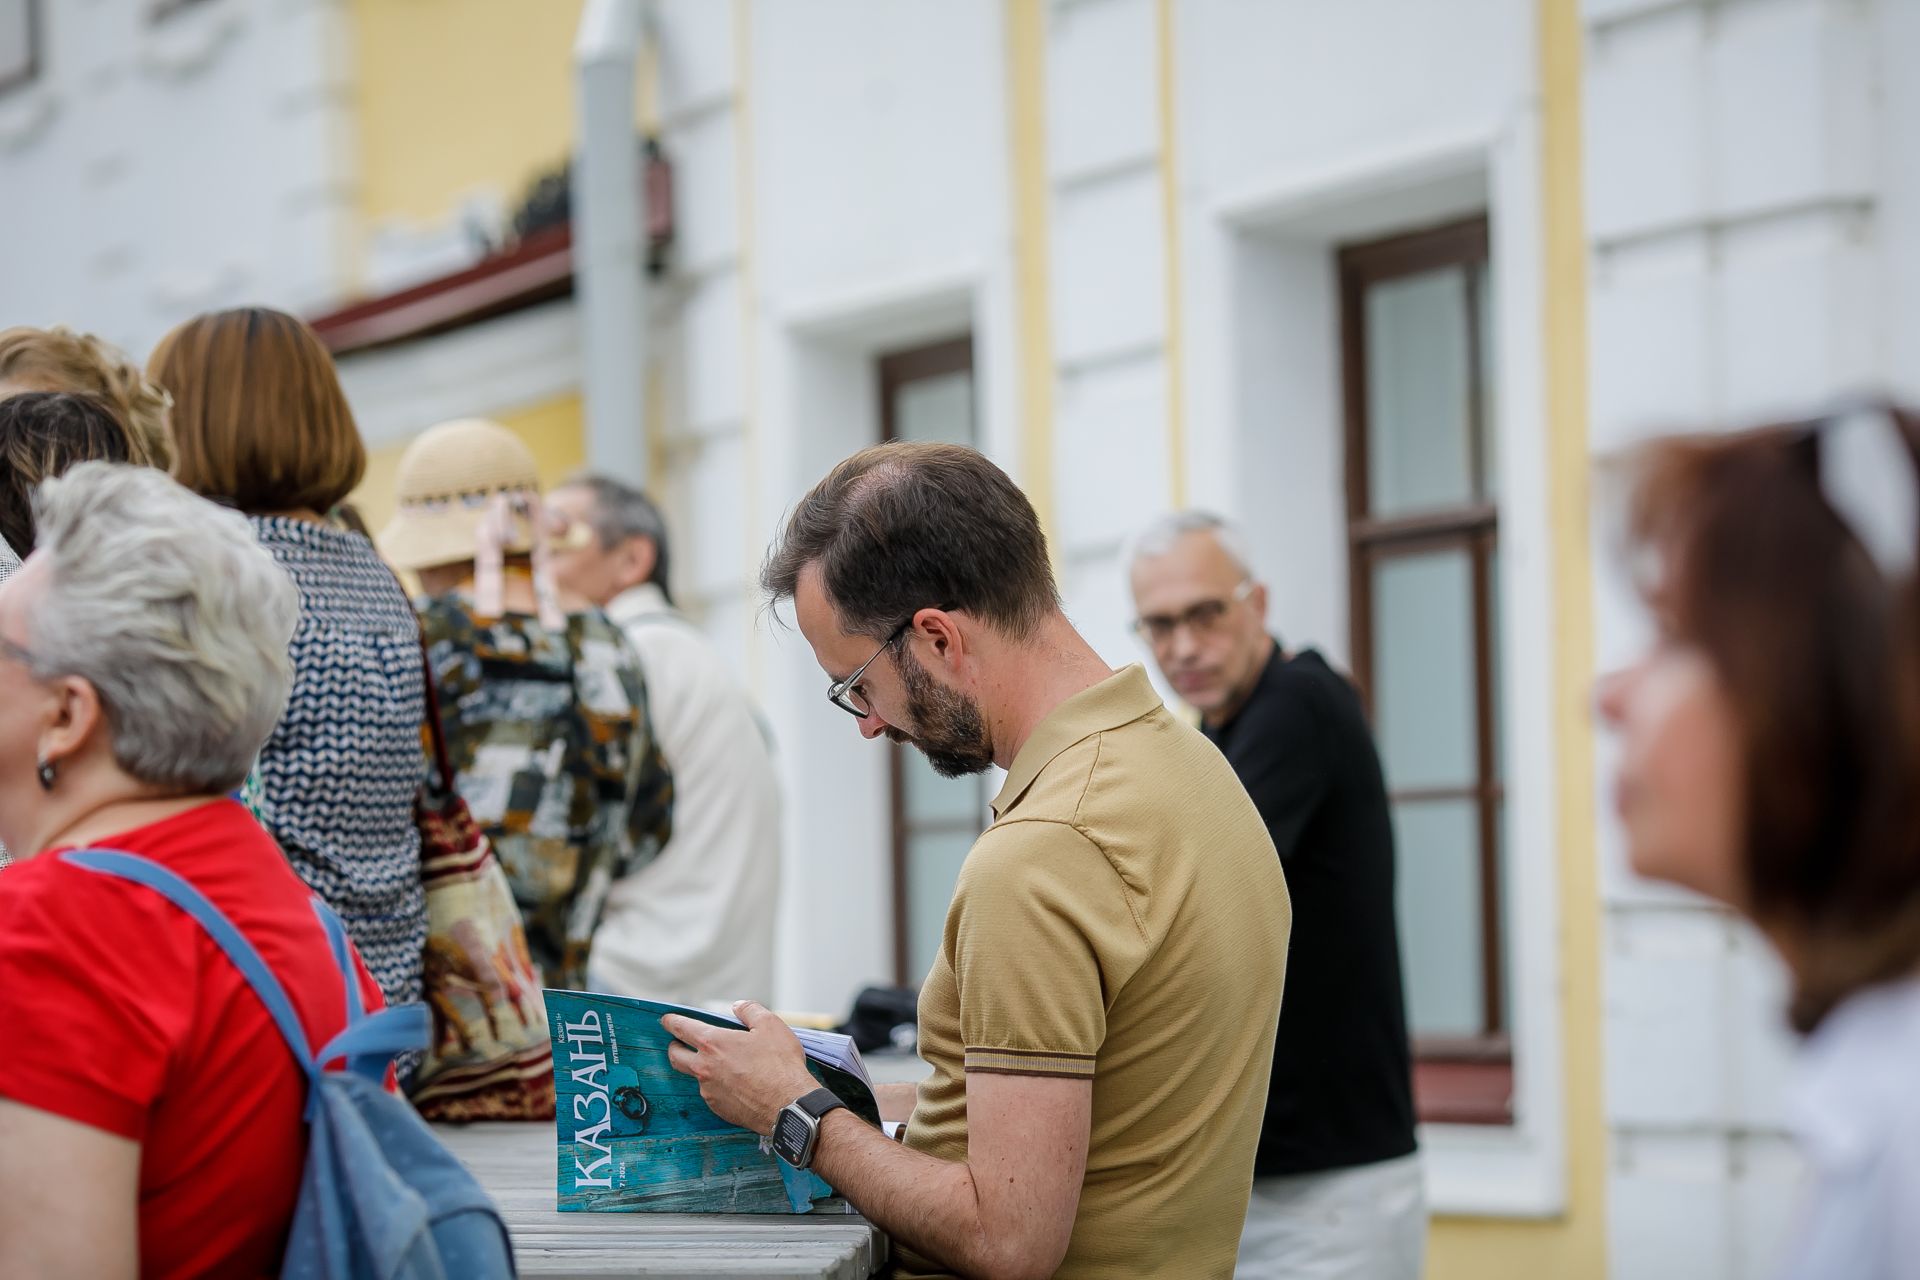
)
(818, 1102)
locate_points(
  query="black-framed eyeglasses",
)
(1201, 619)
(842, 693)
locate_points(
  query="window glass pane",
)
(1503, 868)
(1418, 404)
(1502, 832)
(1496, 634)
(935, 410)
(1437, 845)
(933, 866)
(931, 798)
(1423, 669)
(1489, 424)
(16, 40)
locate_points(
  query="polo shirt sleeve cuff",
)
(1029, 1062)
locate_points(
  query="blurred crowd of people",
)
(517, 608)
(206, 659)
(226, 662)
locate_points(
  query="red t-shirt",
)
(118, 1011)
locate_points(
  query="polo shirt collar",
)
(638, 602)
(1121, 698)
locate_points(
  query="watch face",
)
(791, 1135)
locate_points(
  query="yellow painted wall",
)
(1175, 350)
(455, 95)
(1027, 121)
(553, 429)
(1573, 1247)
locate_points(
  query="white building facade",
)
(1753, 208)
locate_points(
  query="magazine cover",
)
(633, 1134)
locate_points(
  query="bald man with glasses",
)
(1337, 1190)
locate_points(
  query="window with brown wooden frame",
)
(927, 394)
(20, 41)
(1423, 541)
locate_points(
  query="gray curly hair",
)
(177, 617)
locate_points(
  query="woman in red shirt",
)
(151, 1116)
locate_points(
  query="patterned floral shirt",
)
(556, 758)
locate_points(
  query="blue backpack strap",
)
(370, 1044)
(127, 866)
(342, 958)
(369, 1041)
(350, 982)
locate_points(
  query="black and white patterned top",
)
(336, 781)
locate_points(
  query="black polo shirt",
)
(1342, 1090)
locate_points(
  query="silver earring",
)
(46, 775)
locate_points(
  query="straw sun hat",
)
(449, 480)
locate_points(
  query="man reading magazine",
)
(1101, 1016)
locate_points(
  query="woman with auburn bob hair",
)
(1770, 759)
(260, 423)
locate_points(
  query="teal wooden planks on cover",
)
(515, 1164)
(690, 1173)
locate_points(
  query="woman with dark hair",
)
(42, 433)
(1770, 759)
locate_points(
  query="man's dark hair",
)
(903, 527)
(42, 434)
(620, 512)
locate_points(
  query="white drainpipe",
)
(609, 237)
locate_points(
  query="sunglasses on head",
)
(1865, 457)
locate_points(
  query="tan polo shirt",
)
(1124, 920)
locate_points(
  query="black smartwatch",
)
(796, 1130)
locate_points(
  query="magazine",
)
(634, 1135)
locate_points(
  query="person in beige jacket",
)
(695, 925)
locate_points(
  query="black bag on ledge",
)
(884, 1018)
